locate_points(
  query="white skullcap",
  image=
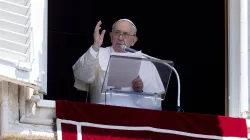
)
(125, 20)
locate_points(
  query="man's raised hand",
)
(98, 38)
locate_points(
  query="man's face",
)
(123, 34)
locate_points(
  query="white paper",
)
(123, 70)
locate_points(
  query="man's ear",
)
(134, 40)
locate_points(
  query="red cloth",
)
(104, 122)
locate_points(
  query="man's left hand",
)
(137, 85)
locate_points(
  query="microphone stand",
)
(177, 76)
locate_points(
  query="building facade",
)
(23, 67)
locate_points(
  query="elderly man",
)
(90, 68)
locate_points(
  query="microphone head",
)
(127, 49)
(123, 47)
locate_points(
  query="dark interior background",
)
(190, 33)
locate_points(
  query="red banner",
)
(80, 121)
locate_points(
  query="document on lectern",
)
(123, 69)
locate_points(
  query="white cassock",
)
(89, 72)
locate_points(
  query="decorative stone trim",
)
(24, 114)
(246, 115)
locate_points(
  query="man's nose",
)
(121, 37)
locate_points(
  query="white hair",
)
(135, 29)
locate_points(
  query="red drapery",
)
(80, 121)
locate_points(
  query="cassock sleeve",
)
(85, 67)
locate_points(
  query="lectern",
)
(124, 68)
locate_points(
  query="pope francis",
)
(89, 70)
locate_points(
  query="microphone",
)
(127, 49)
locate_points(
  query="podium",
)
(124, 68)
